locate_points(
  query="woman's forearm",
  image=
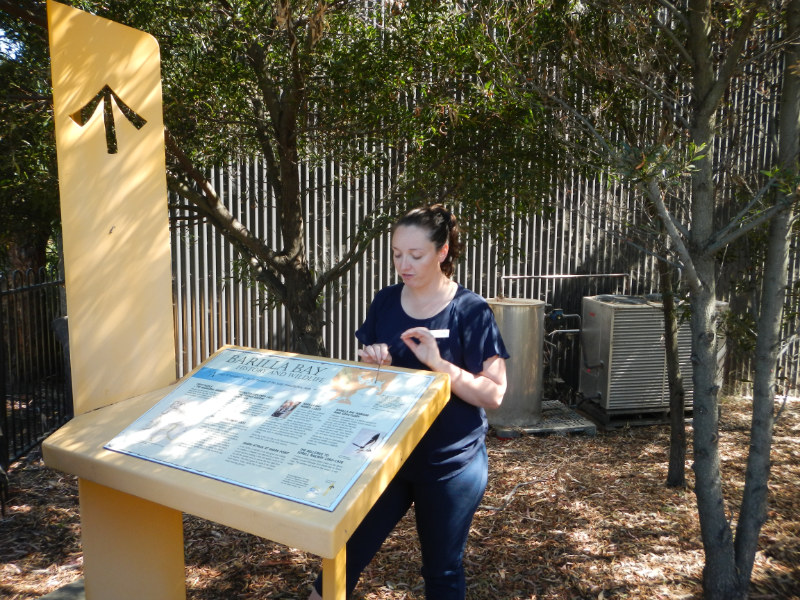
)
(486, 389)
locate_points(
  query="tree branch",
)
(675, 12)
(740, 216)
(672, 104)
(734, 234)
(671, 34)
(626, 239)
(682, 229)
(653, 192)
(731, 62)
(215, 209)
(524, 83)
(265, 142)
(29, 11)
(698, 31)
(364, 237)
(258, 270)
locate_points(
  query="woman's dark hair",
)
(442, 229)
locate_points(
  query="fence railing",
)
(581, 236)
(591, 230)
(33, 375)
(213, 308)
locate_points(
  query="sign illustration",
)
(82, 116)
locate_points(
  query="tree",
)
(302, 81)
(582, 61)
(729, 560)
(28, 178)
(774, 290)
(679, 61)
(262, 75)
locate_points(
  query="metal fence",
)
(212, 308)
(582, 248)
(578, 250)
(33, 375)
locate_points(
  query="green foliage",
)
(740, 333)
(411, 91)
(28, 176)
(408, 87)
(474, 145)
(667, 164)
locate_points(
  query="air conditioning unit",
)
(624, 368)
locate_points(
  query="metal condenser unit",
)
(624, 367)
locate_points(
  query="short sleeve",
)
(368, 332)
(480, 336)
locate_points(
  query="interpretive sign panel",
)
(298, 428)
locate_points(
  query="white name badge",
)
(440, 333)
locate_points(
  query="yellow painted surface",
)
(130, 535)
(77, 448)
(334, 577)
(113, 210)
(118, 280)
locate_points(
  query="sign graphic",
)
(82, 116)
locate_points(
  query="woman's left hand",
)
(422, 343)
(485, 389)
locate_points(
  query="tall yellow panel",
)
(113, 207)
(111, 166)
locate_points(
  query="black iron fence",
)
(33, 373)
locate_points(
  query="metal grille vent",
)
(624, 367)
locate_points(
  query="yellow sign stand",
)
(78, 448)
(118, 276)
(110, 142)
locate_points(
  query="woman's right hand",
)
(377, 354)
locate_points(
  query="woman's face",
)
(415, 256)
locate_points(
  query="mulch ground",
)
(564, 517)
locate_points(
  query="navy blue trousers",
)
(443, 510)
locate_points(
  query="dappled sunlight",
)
(114, 208)
(564, 517)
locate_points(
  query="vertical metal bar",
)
(5, 334)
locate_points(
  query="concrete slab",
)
(71, 591)
(556, 418)
(611, 421)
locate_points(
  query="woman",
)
(430, 322)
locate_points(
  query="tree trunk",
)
(676, 472)
(753, 512)
(27, 250)
(720, 579)
(305, 312)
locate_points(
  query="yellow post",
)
(110, 143)
(334, 576)
(134, 564)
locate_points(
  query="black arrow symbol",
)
(82, 116)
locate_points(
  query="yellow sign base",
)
(152, 496)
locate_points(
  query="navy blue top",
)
(458, 432)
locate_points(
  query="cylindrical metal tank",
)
(521, 323)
